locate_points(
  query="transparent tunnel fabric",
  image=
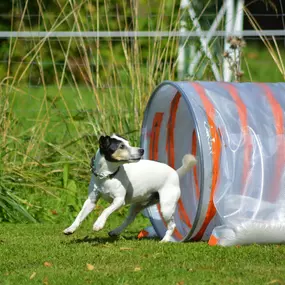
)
(250, 196)
(236, 193)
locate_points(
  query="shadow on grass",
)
(103, 240)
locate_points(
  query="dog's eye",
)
(122, 146)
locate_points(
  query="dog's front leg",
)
(117, 203)
(87, 208)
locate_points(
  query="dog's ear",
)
(104, 142)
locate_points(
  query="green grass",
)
(24, 249)
(63, 112)
(258, 65)
(54, 134)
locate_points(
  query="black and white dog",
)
(118, 180)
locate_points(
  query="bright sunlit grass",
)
(41, 254)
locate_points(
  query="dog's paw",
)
(69, 231)
(99, 225)
(164, 240)
(113, 234)
(97, 228)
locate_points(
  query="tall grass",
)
(52, 133)
(274, 49)
(93, 86)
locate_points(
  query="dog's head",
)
(117, 149)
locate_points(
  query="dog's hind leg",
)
(133, 211)
(168, 203)
(170, 229)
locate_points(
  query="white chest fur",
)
(109, 189)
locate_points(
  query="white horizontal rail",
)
(132, 34)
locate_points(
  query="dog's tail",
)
(188, 162)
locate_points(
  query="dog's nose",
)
(141, 150)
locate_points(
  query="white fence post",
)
(233, 23)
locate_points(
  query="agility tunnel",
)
(236, 192)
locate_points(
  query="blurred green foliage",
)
(46, 60)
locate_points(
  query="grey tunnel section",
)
(239, 145)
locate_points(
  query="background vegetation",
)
(57, 95)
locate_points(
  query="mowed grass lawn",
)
(41, 254)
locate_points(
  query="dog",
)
(122, 177)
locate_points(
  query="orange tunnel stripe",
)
(154, 136)
(153, 154)
(279, 127)
(242, 113)
(216, 153)
(170, 129)
(170, 149)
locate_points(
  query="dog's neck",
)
(105, 168)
